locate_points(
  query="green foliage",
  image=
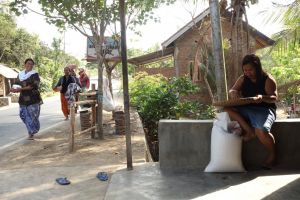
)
(288, 13)
(17, 44)
(45, 85)
(143, 85)
(195, 110)
(7, 33)
(182, 86)
(23, 46)
(283, 62)
(157, 98)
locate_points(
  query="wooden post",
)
(72, 132)
(125, 85)
(93, 114)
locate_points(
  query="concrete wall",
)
(185, 144)
(5, 101)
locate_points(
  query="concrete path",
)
(147, 181)
(39, 184)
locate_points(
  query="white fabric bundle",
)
(108, 102)
(226, 147)
(23, 75)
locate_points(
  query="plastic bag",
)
(108, 102)
(223, 121)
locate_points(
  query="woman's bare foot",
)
(30, 137)
(268, 164)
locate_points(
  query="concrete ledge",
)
(5, 101)
(287, 137)
(14, 97)
(185, 144)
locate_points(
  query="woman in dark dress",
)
(27, 85)
(256, 119)
(62, 87)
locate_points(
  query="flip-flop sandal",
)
(63, 181)
(102, 176)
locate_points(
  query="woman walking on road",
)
(27, 85)
(62, 86)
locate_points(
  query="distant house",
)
(181, 46)
(7, 77)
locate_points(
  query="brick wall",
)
(166, 71)
(186, 47)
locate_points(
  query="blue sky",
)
(172, 18)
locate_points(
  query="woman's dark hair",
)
(254, 60)
(29, 59)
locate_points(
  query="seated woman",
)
(257, 118)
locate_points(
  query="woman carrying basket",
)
(256, 119)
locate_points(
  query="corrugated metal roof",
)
(7, 72)
(151, 57)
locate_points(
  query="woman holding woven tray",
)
(256, 118)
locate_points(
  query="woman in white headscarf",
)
(30, 99)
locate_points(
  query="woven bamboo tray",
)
(234, 102)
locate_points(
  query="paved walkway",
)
(148, 182)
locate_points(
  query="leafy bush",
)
(45, 85)
(195, 110)
(143, 85)
(157, 98)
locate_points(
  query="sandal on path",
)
(102, 176)
(63, 181)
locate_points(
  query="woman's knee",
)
(263, 134)
(228, 109)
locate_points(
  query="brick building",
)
(182, 49)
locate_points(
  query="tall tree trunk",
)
(240, 45)
(100, 91)
(236, 44)
(125, 85)
(98, 41)
(109, 70)
(218, 53)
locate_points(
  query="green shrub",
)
(157, 98)
(45, 85)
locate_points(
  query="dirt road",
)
(29, 169)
